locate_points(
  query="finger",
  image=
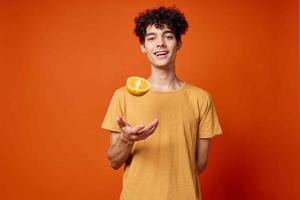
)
(121, 122)
(125, 122)
(155, 122)
(152, 130)
(149, 132)
(149, 127)
(131, 130)
(124, 126)
(145, 129)
(136, 129)
(146, 135)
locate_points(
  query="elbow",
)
(201, 167)
(112, 162)
(114, 166)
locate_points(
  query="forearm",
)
(118, 153)
(203, 146)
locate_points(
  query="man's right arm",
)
(121, 143)
(119, 150)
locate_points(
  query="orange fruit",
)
(137, 85)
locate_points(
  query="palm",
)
(135, 133)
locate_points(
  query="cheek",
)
(149, 48)
(150, 56)
(149, 51)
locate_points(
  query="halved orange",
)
(137, 85)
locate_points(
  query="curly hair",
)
(169, 16)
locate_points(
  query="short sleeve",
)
(116, 108)
(209, 125)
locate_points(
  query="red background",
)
(61, 62)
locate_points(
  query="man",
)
(162, 137)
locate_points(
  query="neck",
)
(164, 78)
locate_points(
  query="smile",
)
(161, 54)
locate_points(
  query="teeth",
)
(161, 53)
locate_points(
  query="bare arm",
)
(202, 154)
(119, 150)
(121, 143)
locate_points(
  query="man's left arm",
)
(203, 146)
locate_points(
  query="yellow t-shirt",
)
(163, 166)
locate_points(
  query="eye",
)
(170, 36)
(150, 39)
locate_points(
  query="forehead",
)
(153, 29)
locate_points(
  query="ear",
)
(143, 48)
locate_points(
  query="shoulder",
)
(200, 95)
(118, 94)
(197, 91)
(121, 91)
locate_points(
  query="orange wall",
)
(61, 62)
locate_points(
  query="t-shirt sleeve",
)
(209, 125)
(116, 108)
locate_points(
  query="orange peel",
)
(137, 85)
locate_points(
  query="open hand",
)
(136, 133)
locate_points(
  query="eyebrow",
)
(151, 33)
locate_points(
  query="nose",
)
(161, 42)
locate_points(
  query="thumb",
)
(121, 122)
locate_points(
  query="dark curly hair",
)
(169, 16)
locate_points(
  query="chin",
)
(161, 64)
(166, 66)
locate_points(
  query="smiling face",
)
(160, 46)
